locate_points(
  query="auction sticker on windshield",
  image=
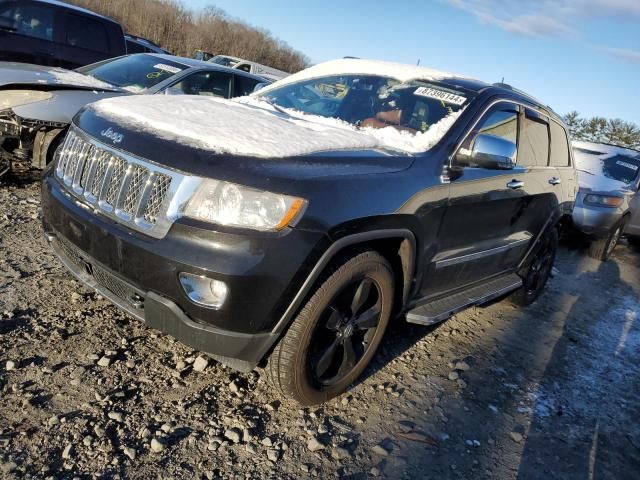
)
(166, 68)
(440, 95)
(628, 165)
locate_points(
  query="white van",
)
(249, 67)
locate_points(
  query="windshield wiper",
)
(274, 105)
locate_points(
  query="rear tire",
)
(327, 346)
(602, 249)
(538, 272)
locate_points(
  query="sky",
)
(579, 55)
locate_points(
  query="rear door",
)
(560, 159)
(27, 33)
(482, 223)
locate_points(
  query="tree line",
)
(601, 130)
(181, 31)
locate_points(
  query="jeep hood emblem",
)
(111, 134)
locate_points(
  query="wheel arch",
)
(385, 241)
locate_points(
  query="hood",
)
(594, 182)
(47, 78)
(60, 106)
(254, 128)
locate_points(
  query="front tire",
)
(538, 272)
(337, 332)
(603, 248)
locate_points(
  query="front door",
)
(494, 214)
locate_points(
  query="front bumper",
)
(140, 275)
(594, 221)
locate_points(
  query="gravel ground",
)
(496, 392)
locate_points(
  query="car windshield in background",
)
(224, 61)
(134, 72)
(370, 101)
(623, 168)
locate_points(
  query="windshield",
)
(368, 101)
(623, 168)
(224, 61)
(134, 72)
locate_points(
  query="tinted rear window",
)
(559, 146)
(533, 148)
(28, 19)
(84, 32)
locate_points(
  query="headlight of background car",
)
(15, 98)
(603, 200)
(230, 204)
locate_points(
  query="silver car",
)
(37, 102)
(608, 203)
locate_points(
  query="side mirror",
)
(491, 152)
(259, 86)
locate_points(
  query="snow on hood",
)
(588, 158)
(27, 74)
(399, 71)
(252, 127)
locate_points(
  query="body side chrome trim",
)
(447, 262)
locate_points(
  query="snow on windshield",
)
(68, 77)
(615, 163)
(254, 128)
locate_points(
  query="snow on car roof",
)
(252, 127)
(356, 66)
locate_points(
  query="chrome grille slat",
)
(128, 189)
(116, 177)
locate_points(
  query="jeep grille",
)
(132, 191)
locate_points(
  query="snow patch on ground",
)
(68, 77)
(599, 374)
(252, 127)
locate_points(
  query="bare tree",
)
(176, 28)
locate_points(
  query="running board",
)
(439, 310)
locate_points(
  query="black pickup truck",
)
(286, 230)
(57, 34)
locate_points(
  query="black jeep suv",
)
(287, 229)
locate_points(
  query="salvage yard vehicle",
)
(137, 44)
(287, 229)
(48, 32)
(37, 103)
(608, 203)
(249, 67)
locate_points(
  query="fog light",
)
(204, 291)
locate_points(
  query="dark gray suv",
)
(288, 229)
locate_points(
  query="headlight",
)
(15, 98)
(603, 200)
(230, 204)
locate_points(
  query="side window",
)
(500, 121)
(211, 84)
(534, 140)
(243, 85)
(559, 146)
(84, 32)
(134, 47)
(29, 19)
(245, 67)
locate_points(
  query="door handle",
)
(555, 181)
(515, 184)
